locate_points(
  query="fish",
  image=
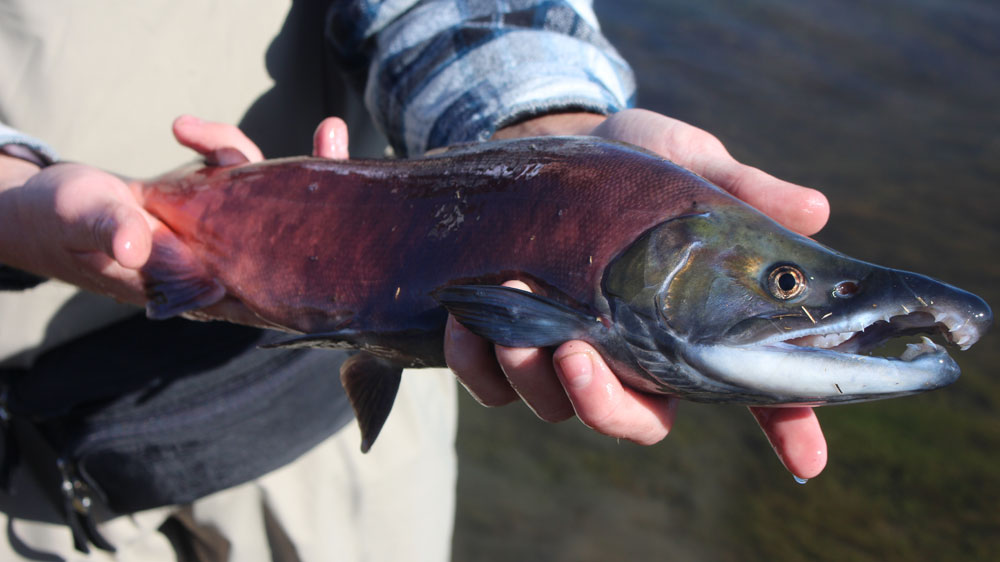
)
(682, 288)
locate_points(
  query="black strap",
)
(77, 505)
(9, 453)
(12, 279)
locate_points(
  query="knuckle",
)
(601, 419)
(495, 398)
(554, 415)
(648, 436)
(488, 390)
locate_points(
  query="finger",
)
(470, 357)
(602, 403)
(801, 209)
(797, 438)
(205, 137)
(531, 374)
(330, 139)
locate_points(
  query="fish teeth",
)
(823, 341)
(963, 339)
(914, 350)
(959, 331)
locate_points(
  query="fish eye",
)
(786, 282)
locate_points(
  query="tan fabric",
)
(334, 503)
(101, 82)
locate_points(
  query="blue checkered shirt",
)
(438, 72)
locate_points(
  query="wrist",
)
(26, 153)
(576, 123)
(14, 170)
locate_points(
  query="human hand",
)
(76, 223)
(87, 227)
(575, 379)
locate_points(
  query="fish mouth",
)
(832, 362)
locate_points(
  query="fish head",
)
(747, 311)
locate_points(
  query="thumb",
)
(121, 232)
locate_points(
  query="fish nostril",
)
(845, 289)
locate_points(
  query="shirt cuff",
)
(40, 153)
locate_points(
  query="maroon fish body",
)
(351, 253)
(682, 288)
(319, 246)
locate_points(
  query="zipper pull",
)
(77, 503)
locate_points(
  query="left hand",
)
(575, 379)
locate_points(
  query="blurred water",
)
(890, 108)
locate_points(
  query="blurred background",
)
(891, 109)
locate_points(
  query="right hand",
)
(87, 227)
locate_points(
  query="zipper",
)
(77, 504)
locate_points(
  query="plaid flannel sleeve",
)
(437, 72)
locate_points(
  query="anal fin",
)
(371, 384)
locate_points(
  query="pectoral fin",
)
(176, 281)
(371, 384)
(515, 318)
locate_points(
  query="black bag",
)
(144, 414)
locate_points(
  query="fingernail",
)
(189, 120)
(577, 369)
